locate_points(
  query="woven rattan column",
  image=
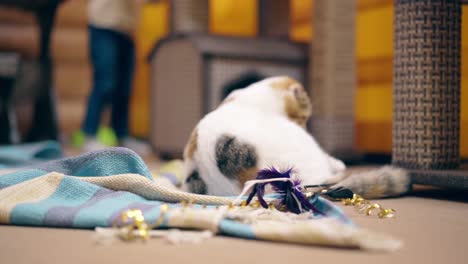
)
(189, 16)
(426, 84)
(333, 75)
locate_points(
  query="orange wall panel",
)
(153, 25)
(374, 52)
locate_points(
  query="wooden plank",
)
(364, 5)
(70, 115)
(20, 38)
(10, 15)
(374, 137)
(68, 44)
(374, 70)
(73, 14)
(301, 12)
(72, 81)
(70, 14)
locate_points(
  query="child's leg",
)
(121, 97)
(103, 45)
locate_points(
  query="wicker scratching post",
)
(426, 84)
(188, 16)
(333, 76)
(426, 90)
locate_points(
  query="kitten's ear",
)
(301, 96)
(297, 103)
(290, 86)
(296, 91)
(284, 83)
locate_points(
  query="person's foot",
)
(92, 144)
(140, 147)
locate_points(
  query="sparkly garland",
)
(365, 206)
(131, 224)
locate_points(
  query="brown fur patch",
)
(191, 146)
(285, 83)
(247, 175)
(297, 109)
(297, 104)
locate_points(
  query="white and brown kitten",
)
(254, 128)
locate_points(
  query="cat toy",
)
(293, 198)
(296, 198)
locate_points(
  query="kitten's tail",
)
(386, 181)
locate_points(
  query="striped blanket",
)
(28, 154)
(93, 190)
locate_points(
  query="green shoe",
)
(105, 136)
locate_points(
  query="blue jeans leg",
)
(104, 57)
(121, 97)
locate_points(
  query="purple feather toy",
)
(293, 197)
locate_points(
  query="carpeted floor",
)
(432, 224)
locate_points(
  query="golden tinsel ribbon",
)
(132, 225)
(368, 208)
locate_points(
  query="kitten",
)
(257, 127)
